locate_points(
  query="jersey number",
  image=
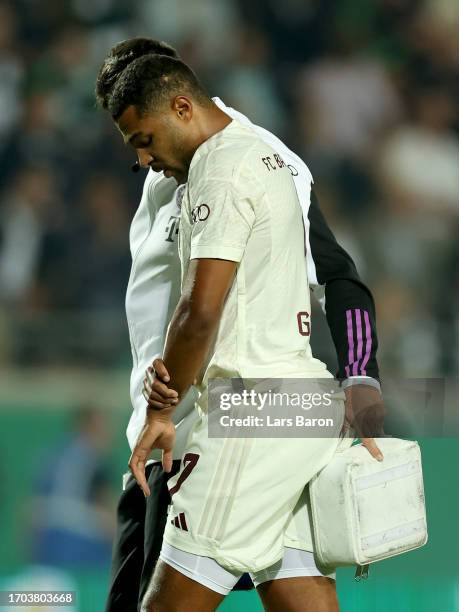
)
(304, 327)
(189, 463)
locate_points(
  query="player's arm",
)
(350, 311)
(217, 244)
(192, 329)
(347, 302)
(191, 334)
(196, 319)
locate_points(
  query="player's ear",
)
(183, 107)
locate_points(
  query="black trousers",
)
(139, 536)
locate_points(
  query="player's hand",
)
(365, 414)
(155, 389)
(158, 432)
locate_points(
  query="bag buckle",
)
(361, 572)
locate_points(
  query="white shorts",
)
(208, 572)
(242, 501)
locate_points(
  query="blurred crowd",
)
(365, 91)
(72, 521)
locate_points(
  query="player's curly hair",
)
(150, 81)
(120, 56)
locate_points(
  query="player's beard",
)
(179, 153)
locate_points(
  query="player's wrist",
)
(160, 414)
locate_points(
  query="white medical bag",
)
(364, 510)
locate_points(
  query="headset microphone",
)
(135, 167)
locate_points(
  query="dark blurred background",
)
(365, 91)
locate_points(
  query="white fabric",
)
(241, 204)
(294, 563)
(351, 381)
(364, 510)
(236, 499)
(154, 284)
(153, 291)
(206, 571)
(301, 174)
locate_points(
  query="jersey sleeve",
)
(347, 302)
(222, 220)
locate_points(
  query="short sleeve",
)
(221, 222)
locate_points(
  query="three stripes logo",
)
(359, 342)
(180, 522)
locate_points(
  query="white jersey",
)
(231, 502)
(153, 290)
(241, 205)
(154, 284)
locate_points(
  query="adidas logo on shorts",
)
(180, 522)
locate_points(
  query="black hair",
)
(150, 81)
(120, 56)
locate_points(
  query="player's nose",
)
(145, 158)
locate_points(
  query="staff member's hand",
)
(155, 389)
(158, 432)
(365, 414)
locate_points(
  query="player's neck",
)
(211, 121)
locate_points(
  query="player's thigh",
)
(301, 594)
(172, 591)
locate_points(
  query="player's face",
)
(162, 140)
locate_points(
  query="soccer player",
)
(153, 293)
(243, 268)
